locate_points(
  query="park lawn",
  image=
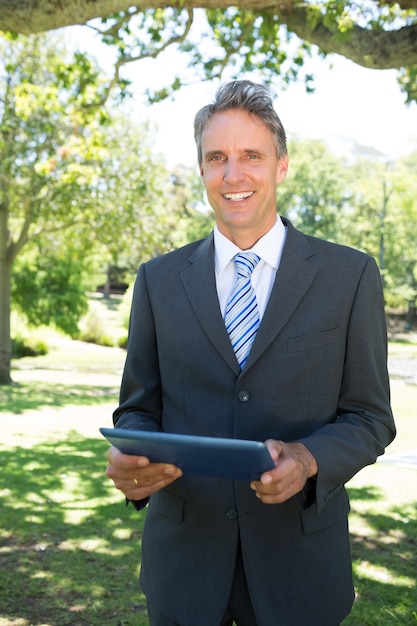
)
(383, 525)
(403, 347)
(70, 549)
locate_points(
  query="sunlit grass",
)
(406, 347)
(383, 525)
(70, 549)
(66, 539)
(33, 395)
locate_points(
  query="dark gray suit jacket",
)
(316, 374)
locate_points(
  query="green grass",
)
(36, 395)
(403, 348)
(70, 549)
(74, 356)
(383, 525)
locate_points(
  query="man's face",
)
(240, 170)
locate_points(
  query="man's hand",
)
(136, 476)
(294, 464)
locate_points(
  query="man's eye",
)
(252, 156)
(216, 157)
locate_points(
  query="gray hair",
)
(245, 96)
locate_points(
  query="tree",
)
(378, 34)
(317, 191)
(366, 204)
(48, 150)
(384, 222)
(49, 284)
(76, 182)
(404, 201)
(139, 204)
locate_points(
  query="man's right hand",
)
(136, 476)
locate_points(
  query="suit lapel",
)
(200, 286)
(294, 277)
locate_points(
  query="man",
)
(313, 383)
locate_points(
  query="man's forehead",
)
(237, 127)
(233, 116)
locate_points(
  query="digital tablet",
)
(202, 456)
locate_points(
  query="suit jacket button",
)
(243, 396)
(231, 513)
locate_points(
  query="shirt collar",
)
(268, 247)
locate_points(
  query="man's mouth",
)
(237, 197)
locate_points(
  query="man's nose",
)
(233, 171)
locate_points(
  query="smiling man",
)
(262, 333)
(240, 172)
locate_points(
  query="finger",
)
(155, 472)
(271, 476)
(275, 448)
(275, 492)
(118, 459)
(142, 489)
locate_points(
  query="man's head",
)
(247, 96)
(243, 157)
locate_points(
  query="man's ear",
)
(282, 169)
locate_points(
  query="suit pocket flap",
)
(169, 505)
(312, 342)
(336, 509)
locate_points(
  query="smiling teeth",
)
(238, 196)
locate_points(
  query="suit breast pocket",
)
(314, 341)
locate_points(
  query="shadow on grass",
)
(384, 553)
(35, 395)
(370, 493)
(112, 303)
(69, 548)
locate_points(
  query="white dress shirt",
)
(268, 248)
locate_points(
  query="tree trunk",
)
(5, 296)
(107, 283)
(411, 315)
(5, 338)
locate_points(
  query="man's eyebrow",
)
(254, 151)
(211, 153)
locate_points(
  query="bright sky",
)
(351, 106)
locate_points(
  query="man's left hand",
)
(294, 464)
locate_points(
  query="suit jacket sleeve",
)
(364, 425)
(140, 392)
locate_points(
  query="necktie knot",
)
(245, 263)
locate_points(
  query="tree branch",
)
(383, 47)
(34, 16)
(375, 49)
(176, 39)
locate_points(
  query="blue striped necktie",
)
(242, 315)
